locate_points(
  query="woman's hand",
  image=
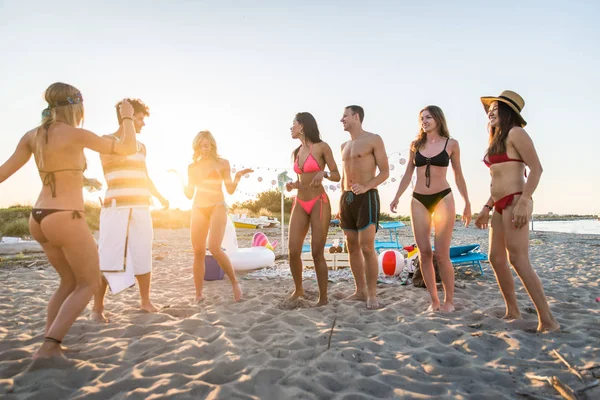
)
(466, 217)
(483, 218)
(243, 172)
(318, 179)
(126, 109)
(394, 204)
(289, 186)
(520, 213)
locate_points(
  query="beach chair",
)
(334, 260)
(467, 255)
(306, 247)
(393, 243)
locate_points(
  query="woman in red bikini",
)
(206, 176)
(510, 150)
(431, 154)
(56, 220)
(311, 207)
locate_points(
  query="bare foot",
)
(434, 307)
(321, 303)
(98, 316)
(359, 296)
(148, 307)
(552, 326)
(447, 307)
(237, 291)
(372, 303)
(49, 349)
(198, 300)
(296, 295)
(512, 315)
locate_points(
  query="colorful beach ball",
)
(391, 262)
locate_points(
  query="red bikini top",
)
(500, 158)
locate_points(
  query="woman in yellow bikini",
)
(206, 176)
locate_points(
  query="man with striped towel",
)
(126, 233)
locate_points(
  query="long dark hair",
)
(310, 129)
(508, 120)
(440, 119)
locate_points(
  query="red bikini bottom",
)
(504, 202)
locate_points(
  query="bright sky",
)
(243, 70)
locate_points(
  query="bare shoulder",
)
(517, 134)
(223, 163)
(452, 144)
(323, 146)
(374, 138)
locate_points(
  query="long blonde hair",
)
(65, 104)
(196, 145)
(440, 119)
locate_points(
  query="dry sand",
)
(265, 348)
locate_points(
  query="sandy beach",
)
(267, 348)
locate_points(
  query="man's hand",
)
(357, 188)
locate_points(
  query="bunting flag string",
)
(266, 177)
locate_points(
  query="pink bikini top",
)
(310, 164)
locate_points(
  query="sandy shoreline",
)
(266, 348)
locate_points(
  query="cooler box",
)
(212, 271)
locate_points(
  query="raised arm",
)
(125, 147)
(404, 182)
(230, 186)
(460, 181)
(21, 155)
(524, 146)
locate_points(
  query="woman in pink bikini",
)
(510, 150)
(314, 209)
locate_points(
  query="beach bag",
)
(418, 280)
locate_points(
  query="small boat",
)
(245, 222)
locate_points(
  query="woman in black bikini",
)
(206, 176)
(56, 221)
(510, 149)
(431, 154)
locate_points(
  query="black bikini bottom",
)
(39, 214)
(430, 201)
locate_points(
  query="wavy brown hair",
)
(71, 114)
(440, 119)
(508, 120)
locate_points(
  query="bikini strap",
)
(446, 144)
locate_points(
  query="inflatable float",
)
(245, 259)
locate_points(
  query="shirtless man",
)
(362, 155)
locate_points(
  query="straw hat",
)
(511, 99)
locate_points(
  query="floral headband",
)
(75, 99)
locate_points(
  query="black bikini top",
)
(441, 159)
